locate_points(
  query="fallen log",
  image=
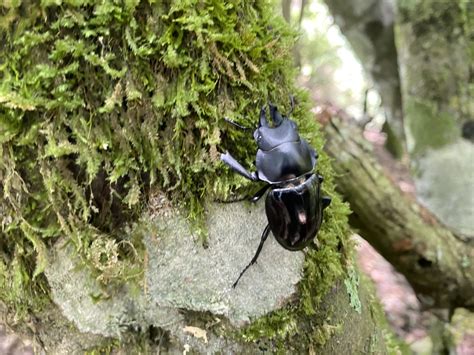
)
(438, 263)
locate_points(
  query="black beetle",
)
(294, 205)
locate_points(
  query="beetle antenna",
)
(228, 120)
(265, 233)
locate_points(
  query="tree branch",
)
(436, 262)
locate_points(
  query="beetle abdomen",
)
(295, 213)
(286, 161)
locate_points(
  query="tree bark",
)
(368, 25)
(436, 261)
(434, 44)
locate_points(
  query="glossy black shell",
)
(295, 212)
(285, 162)
(282, 155)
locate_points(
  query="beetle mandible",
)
(294, 205)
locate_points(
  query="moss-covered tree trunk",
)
(435, 50)
(111, 127)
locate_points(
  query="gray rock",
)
(182, 276)
(81, 299)
(445, 185)
(13, 344)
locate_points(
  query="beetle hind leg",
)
(326, 201)
(264, 237)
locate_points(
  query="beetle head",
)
(282, 131)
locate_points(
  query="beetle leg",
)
(260, 193)
(228, 120)
(265, 233)
(234, 164)
(326, 201)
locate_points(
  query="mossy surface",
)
(101, 102)
(427, 127)
(461, 329)
(434, 52)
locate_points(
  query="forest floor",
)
(398, 299)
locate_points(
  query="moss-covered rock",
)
(101, 101)
(103, 107)
(460, 332)
(187, 293)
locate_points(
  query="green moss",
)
(99, 102)
(393, 344)
(393, 144)
(110, 346)
(461, 327)
(352, 285)
(323, 333)
(428, 127)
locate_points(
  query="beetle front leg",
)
(235, 165)
(259, 193)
